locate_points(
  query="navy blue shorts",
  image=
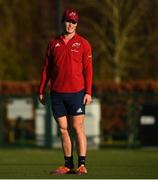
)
(64, 104)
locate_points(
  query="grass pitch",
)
(101, 164)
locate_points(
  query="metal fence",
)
(122, 114)
(17, 121)
(127, 119)
(27, 123)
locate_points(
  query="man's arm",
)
(87, 72)
(45, 76)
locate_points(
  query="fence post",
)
(1, 120)
(1, 134)
(48, 123)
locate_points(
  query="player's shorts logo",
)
(79, 110)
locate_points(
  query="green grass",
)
(105, 164)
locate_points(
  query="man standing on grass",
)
(68, 65)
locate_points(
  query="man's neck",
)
(69, 36)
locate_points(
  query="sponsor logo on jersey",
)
(75, 50)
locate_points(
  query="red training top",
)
(68, 66)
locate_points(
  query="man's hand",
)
(42, 99)
(87, 99)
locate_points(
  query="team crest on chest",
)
(76, 45)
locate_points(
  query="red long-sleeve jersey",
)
(68, 66)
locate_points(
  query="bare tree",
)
(116, 30)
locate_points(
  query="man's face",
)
(70, 26)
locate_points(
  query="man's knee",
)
(78, 127)
(63, 130)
